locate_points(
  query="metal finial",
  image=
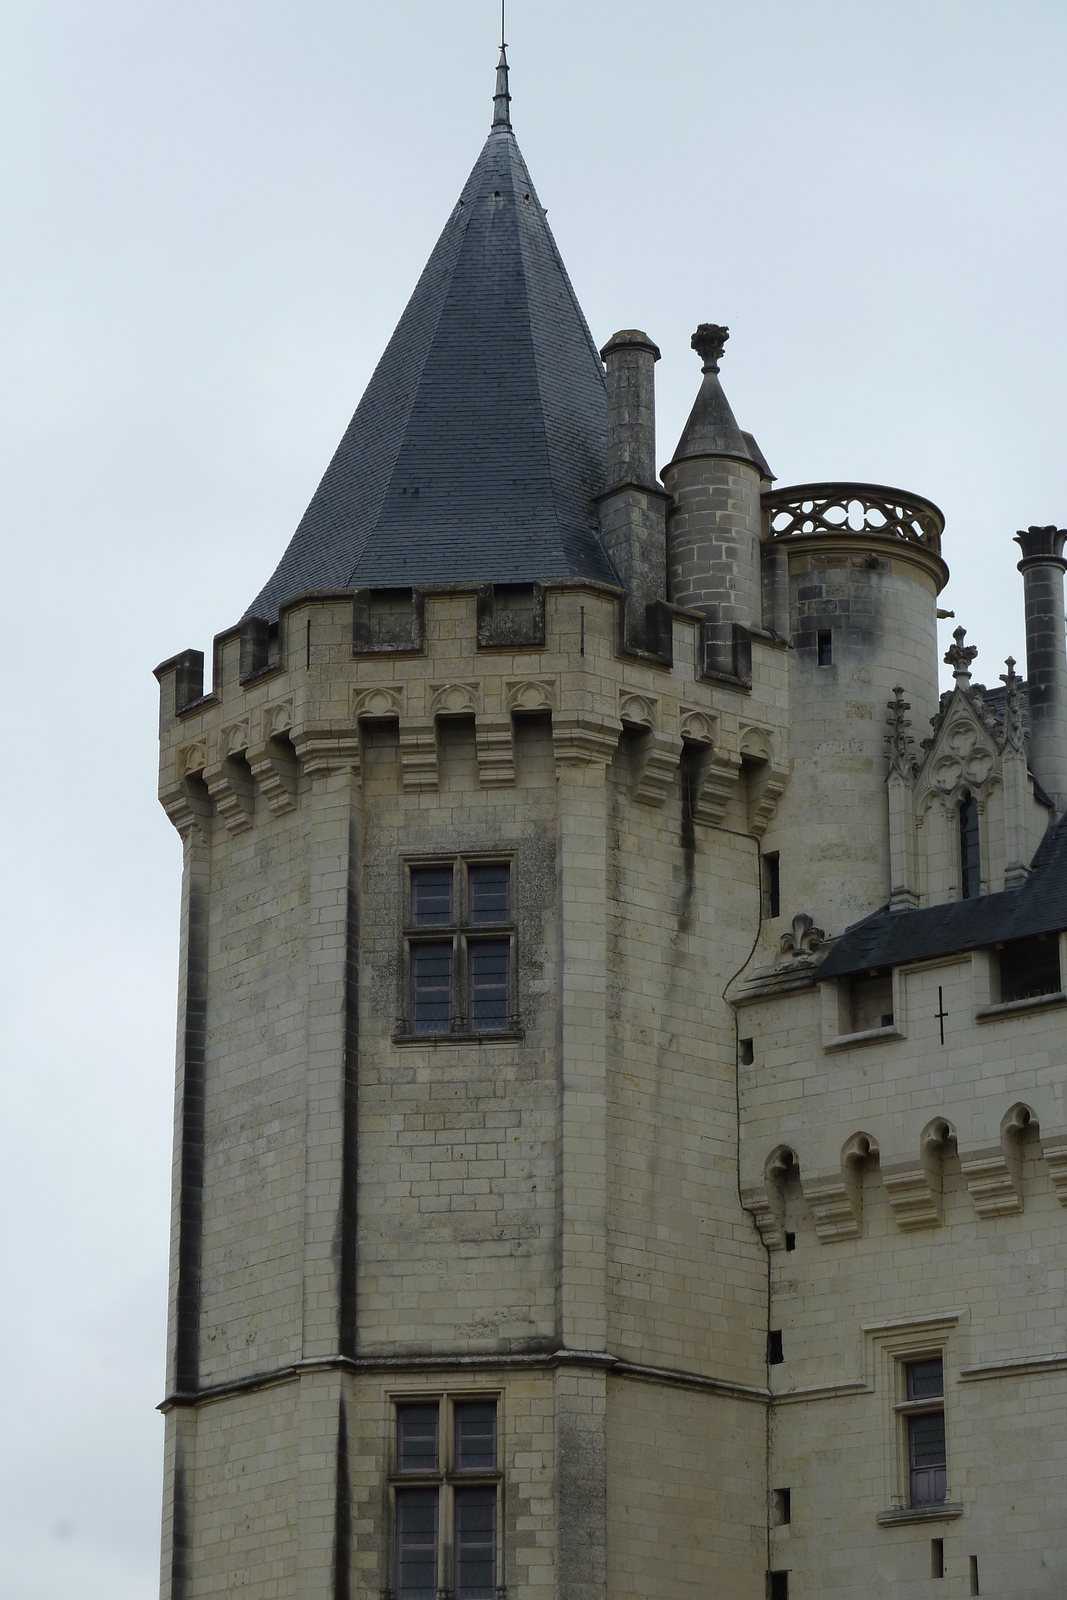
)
(502, 97)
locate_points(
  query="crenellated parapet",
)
(243, 750)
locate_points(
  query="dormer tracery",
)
(975, 754)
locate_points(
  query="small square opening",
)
(1030, 968)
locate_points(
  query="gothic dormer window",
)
(970, 851)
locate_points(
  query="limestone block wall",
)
(877, 608)
(357, 1211)
(922, 1187)
(686, 1283)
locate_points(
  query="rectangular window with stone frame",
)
(446, 1498)
(923, 1415)
(459, 948)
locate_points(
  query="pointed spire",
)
(502, 97)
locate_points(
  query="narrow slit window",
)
(416, 1544)
(431, 987)
(475, 1544)
(778, 1586)
(974, 1575)
(775, 1354)
(970, 849)
(825, 643)
(771, 885)
(937, 1558)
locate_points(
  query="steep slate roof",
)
(889, 938)
(480, 443)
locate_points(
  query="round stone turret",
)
(859, 570)
(714, 525)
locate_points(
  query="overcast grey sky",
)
(213, 214)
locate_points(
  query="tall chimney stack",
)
(633, 508)
(1042, 567)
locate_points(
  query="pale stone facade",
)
(688, 1215)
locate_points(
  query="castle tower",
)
(864, 570)
(462, 1299)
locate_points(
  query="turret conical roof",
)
(480, 443)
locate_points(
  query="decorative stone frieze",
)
(418, 755)
(455, 699)
(715, 787)
(378, 704)
(322, 751)
(275, 771)
(531, 694)
(579, 738)
(655, 764)
(229, 783)
(835, 1208)
(993, 1183)
(496, 752)
(1055, 1154)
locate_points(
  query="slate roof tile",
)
(480, 444)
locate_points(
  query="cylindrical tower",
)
(865, 571)
(1042, 567)
(714, 524)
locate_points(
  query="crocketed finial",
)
(709, 342)
(1013, 705)
(899, 738)
(959, 656)
(502, 97)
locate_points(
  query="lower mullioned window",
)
(446, 1529)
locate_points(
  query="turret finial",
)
(709, 341)
(502, 97)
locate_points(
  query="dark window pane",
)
(475, 1544)
(431, 987)
(926, 1440)
(416, 1544)
(488, 893)
(970, 851)
(1029, 967)
(928, 1486)
(488, 980)
(431, 897)
(925, 1378)
(416, 1438)
(475, 1436)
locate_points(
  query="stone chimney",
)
(633, 508)
(1042, 567)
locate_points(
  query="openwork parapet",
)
(813, 508)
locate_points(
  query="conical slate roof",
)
(712, 428)
(480, 443)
